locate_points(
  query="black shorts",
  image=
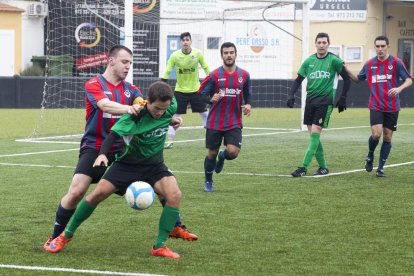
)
(198, 105)
(85, 164)
(121, 175)
(231, 136)
(317, 114)
(387, 119)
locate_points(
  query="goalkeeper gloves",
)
(341, 104)
(290, 102)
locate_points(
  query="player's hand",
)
(290, 102)
(176, 122)
(101, 160)
(394, 91)
(341, 104)
(215, 97)
(247, 108)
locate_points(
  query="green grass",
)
(256, 222)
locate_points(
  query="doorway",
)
(405, 53)
(7, 53)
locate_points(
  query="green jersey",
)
(322, 76)
(186, 66)
(144, 141)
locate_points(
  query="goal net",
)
(79, 33)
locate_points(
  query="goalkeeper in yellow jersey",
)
(186, 62)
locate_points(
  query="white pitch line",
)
(229, 173)
(72, 270)
(36, 165)
(38, 152)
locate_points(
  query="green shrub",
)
(33, 70)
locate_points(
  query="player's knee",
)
(232, 154)
(376, 136)
(174, 198)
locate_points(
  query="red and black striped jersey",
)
(381, 77)
(99, 123)
(234, 89)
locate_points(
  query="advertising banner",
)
(87, 30)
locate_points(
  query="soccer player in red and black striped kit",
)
(228, 88)
(387, 77)
(107, 97)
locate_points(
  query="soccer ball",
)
(139, 195)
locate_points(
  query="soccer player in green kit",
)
(141, 159)
(186, 61)
(321, 70)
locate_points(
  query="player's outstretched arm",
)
(112, 107)
(102, 160)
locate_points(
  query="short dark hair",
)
(160, 90)
(383, 38)
(322, 35)
(228, 45)
(113, 52)
(184, 35)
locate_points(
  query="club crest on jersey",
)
(127, 93)
(390, 67)
(240, 79)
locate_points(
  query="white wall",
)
(262, 49)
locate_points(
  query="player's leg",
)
(168, 188)
(316, 117)
(199, 105)
(213, 142)
(86, 207)
(319, 153)
(84, 175)
(204, 116)
(180, 231)
(182, 102)
(390, 125)
(376, 120)
(233, 142)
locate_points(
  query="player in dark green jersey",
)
(141, 159)
(321, 71)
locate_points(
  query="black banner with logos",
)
(86, 30)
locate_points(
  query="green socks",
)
(168, 218)
(83, 211)
(320, 156)
(312, 148)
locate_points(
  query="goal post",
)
(267, 34)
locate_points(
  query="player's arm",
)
(112, 107)
(341, 104)
(102, 160)
(176, 121)
(397, 90)
(98, 99)
(170, 67)
(351, 75)
(362, 75)
(246, 96)
(204, 64)
(207, 89)
(295, 86)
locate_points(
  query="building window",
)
(213, 43)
